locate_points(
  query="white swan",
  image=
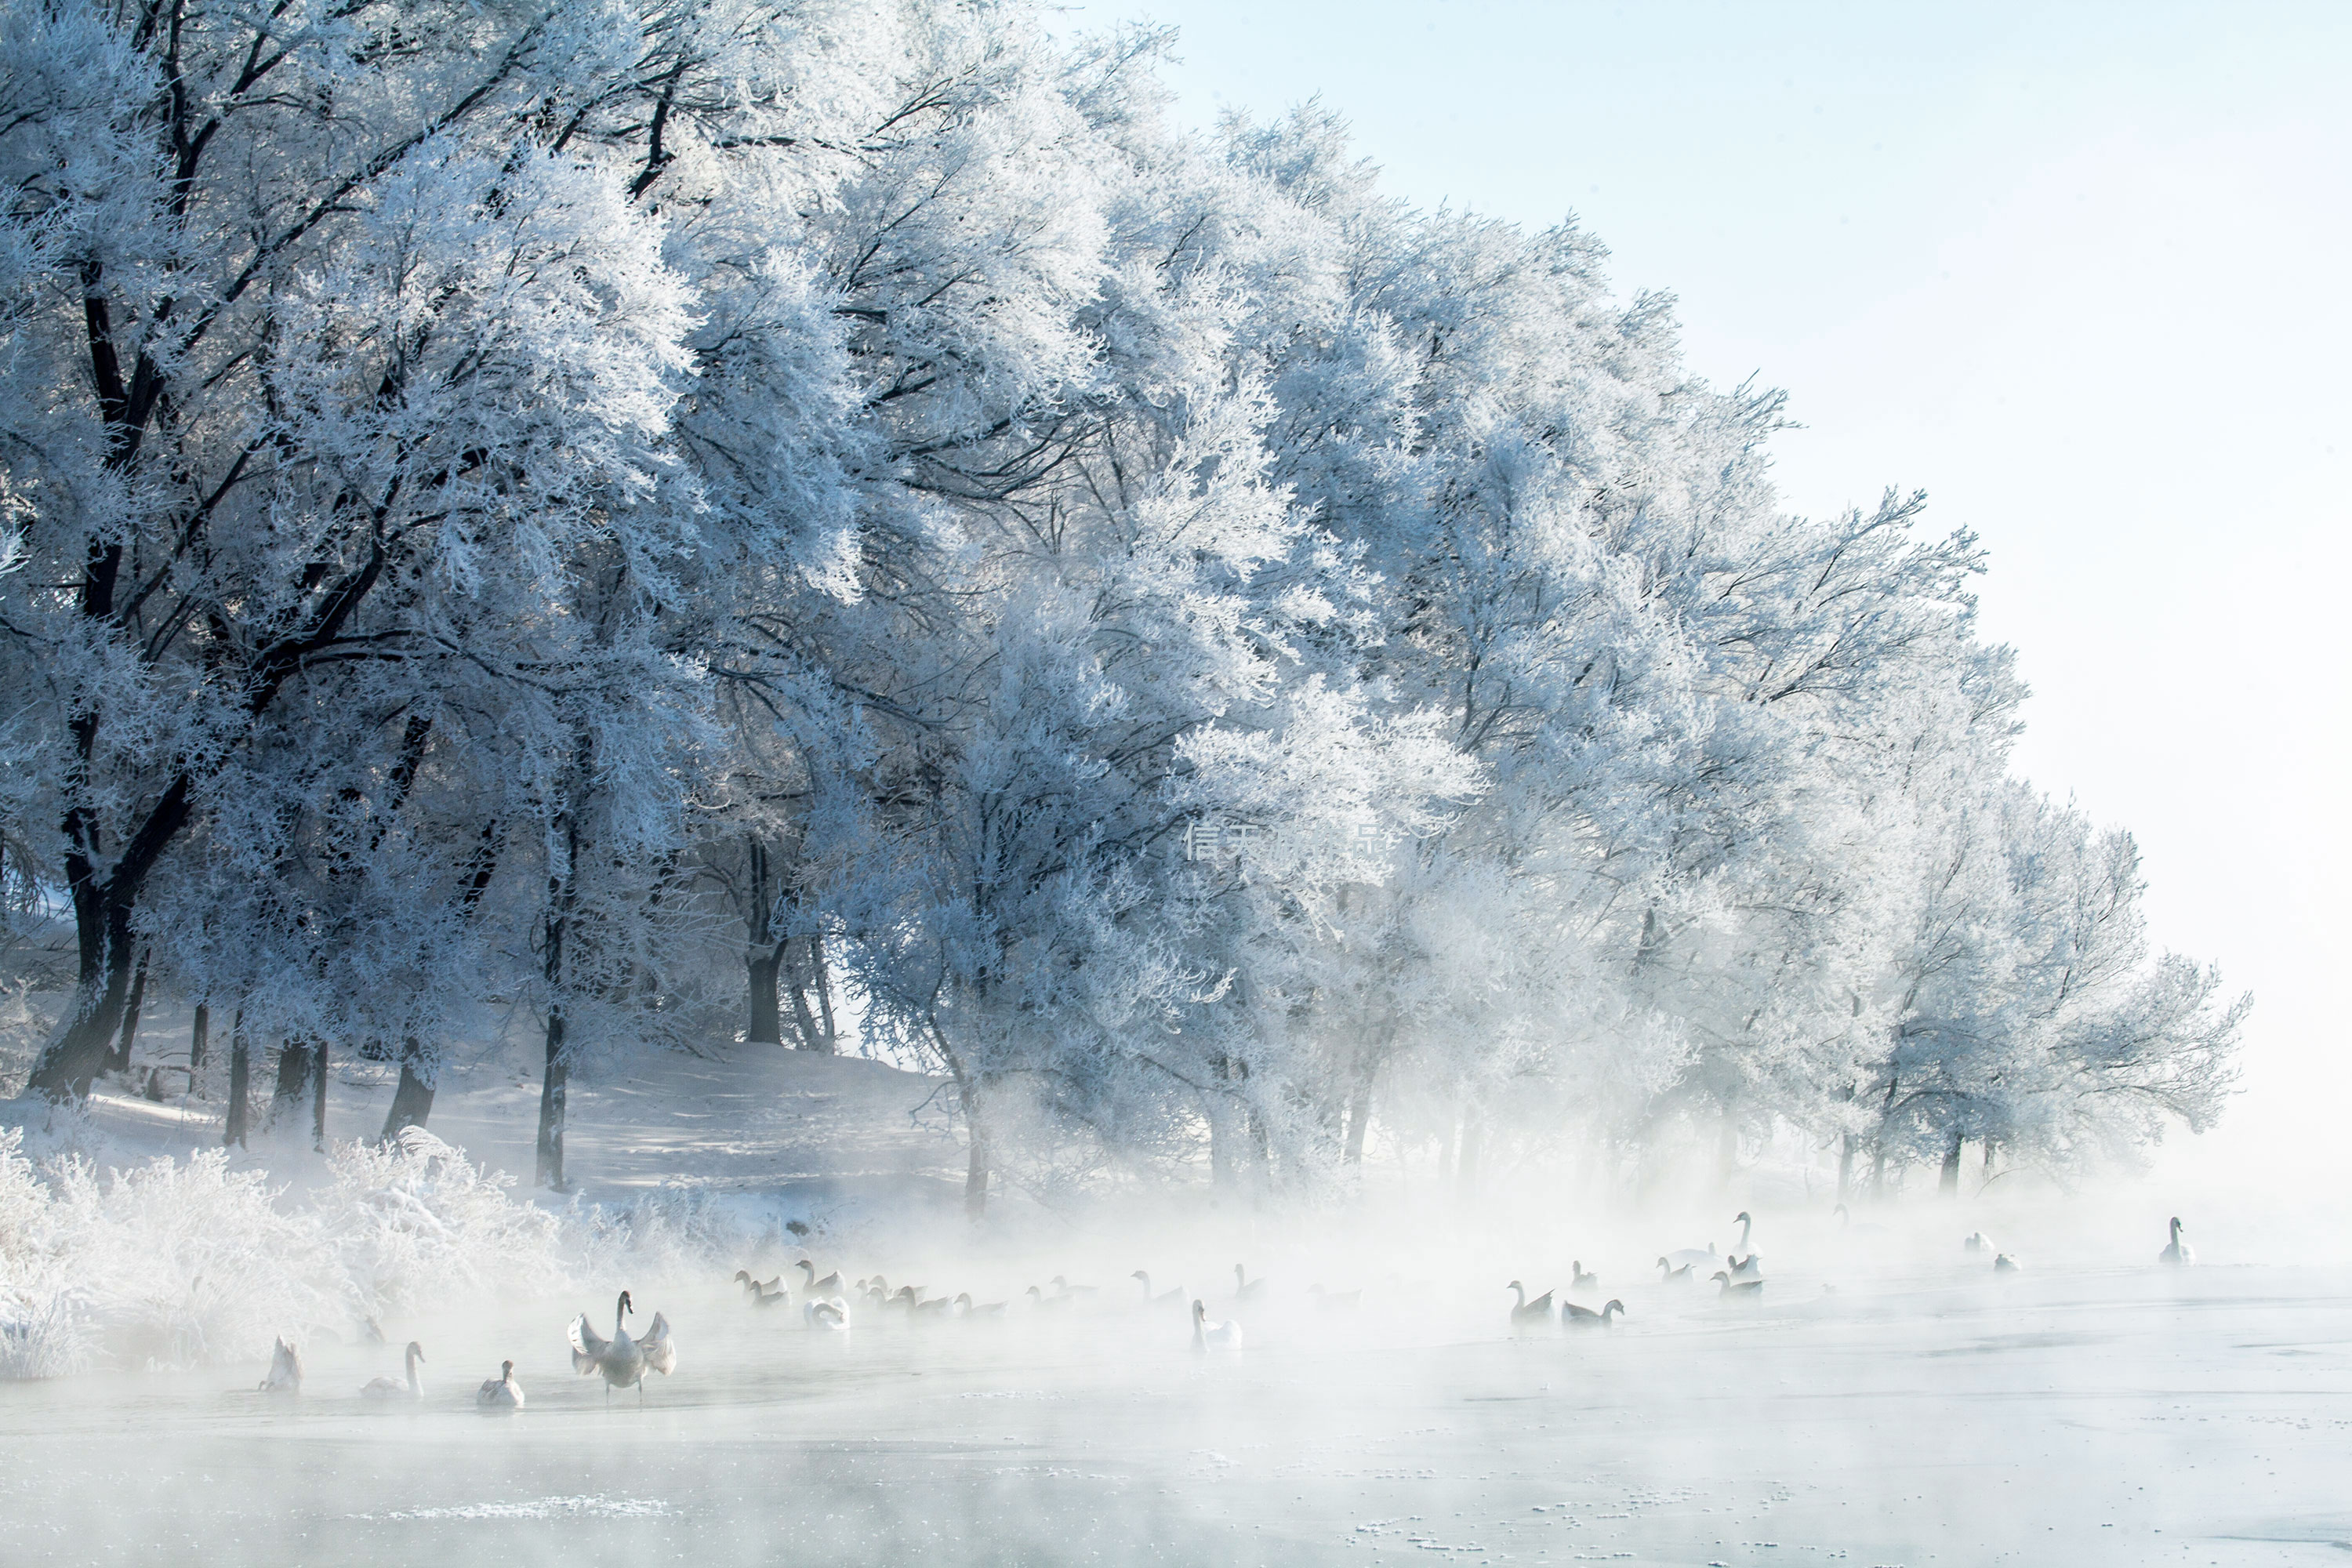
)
(968, 1308)
(1578, 1279)
(1161, 1299)
(1670, 1275)
(2178, 1253)
(831, 1315)
(1246, 1289)
(1572, 1316)
(285, 1371)
(1209, 1336)
(1977, 1243)
(1526, 1312)
(1335, 1301)
(1730, 1289)
(386, 1388)
(811, 1284)
(2003, 1263)
(1683, 1258)
(622, 1362)
(1753, 1269)
(500, 1393)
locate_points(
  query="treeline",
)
(610, 505)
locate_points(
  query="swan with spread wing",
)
(622, 1360)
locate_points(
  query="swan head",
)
(2177, 1227)
(1614, 1306)
(743, 1277)
(963, 1300)
(1514, 1285)
(1720, 1274)
(1664, 1264)
(1741, 1218)
(626, 1306)
(1237, 1272)
(1033, 1291)
(1199, 1312)
(415, 1349)
(506, 1371)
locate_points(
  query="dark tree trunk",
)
(976, 1169)
(102, 924)
(1988, 1159)
(829, 1041)
(1845, 1168)
(120, 1060)
(240, 1083)
(412, 1102)
(294, 1060)
(764, 1025)
(318, 1099)
(1949, 1183)
(197, 1032)
(552, 1093)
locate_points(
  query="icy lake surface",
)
(2132, 1417)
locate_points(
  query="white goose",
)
(2178, 1253)
(2003, 1263)
(1209, 1336)
(1246, 1289)
(1670, 1275)
(500, 1393)
(1572, 1316)
(831, 1285)
(622, 1362)
(832, 1316)
(1684, 1257)
(1159, 1298)
(1730, 1289)
(386, 1388)
(1526, 1311)
(285, 1369)
(1578, 1279)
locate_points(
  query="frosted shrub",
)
(179, 1262)
(416, 1216)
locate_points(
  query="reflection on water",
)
(2093, 1418)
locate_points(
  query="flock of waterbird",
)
(826, 1306)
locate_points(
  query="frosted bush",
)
(671, 1231)
(178, 1262)
(416, 1216)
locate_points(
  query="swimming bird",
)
(1578, 1279)
(1845, 1222)
(2178, 1253)
(500, 1393)
(1163, 1299)
(763, 1292)
(1748, 1267)
(1572, 1316)
(1209, 1336)
(937, 1307)
(829, 1315)
(1039, 1299)
(1685, 1256)
(285, 1371)
(386, 1388)
(1745, 1224)
(1246, 1289)
(622, 1360)
(1977, 1243)
(1730, 1289)
(831, 1285)
(1064, 1287)
(967, 1308)
(1670, 1275)
(1526, 1312)
(2005, 1264)
(1335, 1300)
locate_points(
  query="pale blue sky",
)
(2080, 272)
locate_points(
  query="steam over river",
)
(2133, 1418)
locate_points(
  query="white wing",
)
(588, 1346)
(660, 1355)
